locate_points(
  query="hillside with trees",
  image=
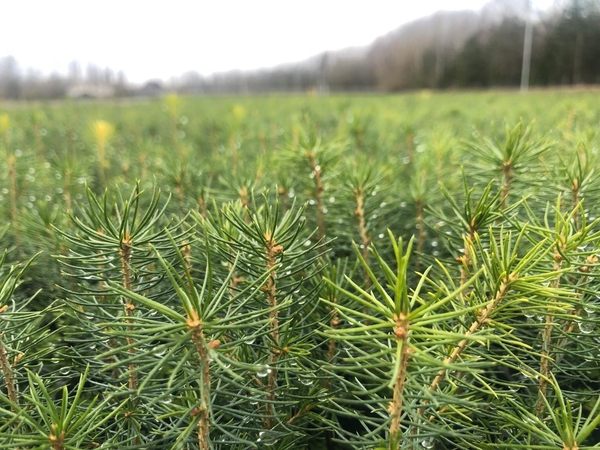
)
(450, 49)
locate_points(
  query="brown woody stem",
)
(57, 441)
(365, 240)
(401, 332)
(575, 201)
(333, 323)
(507, 173)
(125, 252)
(270, 289)
(318, 193)
(547, 342)
(482, 319)
(8, 375)
(203, 411)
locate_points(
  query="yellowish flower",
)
(102, 131)
(4, 123)
(239, 112)
(173, 103)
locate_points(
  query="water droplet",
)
(250, 341)
(428, 443)
(592, 306)
(306, 381)
(331, 199)
(380, 236)
(262, 371)
(529, 313)
(586, 327)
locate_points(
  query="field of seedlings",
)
(300, 272)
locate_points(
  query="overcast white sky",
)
(160, 39)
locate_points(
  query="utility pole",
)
(527, 51)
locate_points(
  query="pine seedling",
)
(117, 243)
(250, 376)
(26, 338)
(573, 260)
(69, 172)
(47, 422)
(577, 179)
(465, 221)
(317, 160)
(362, 183)
(196, 343)
(172, 105)
(16, 178)
(422, 193)
(510, 159)
(241, 187)
(566, 425)
(384, 351)
(276, 244)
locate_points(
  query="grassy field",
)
(411, 271)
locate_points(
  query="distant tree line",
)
(16, 85)
(566, 50)
(460, 49)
